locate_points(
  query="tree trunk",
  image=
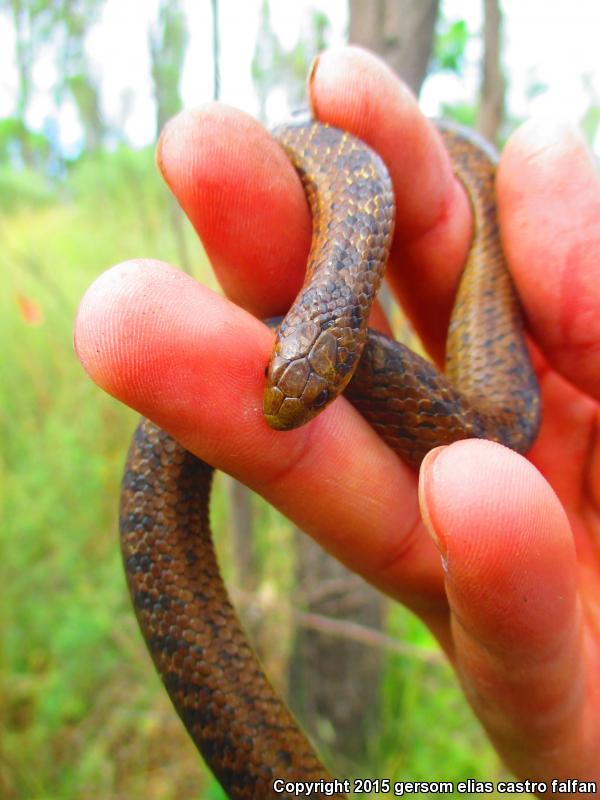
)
(216, 48)
(239, 500)
(23, 25)
(86, 95)
(167, 41)
(491, 93)
(334, 682)
(400, 31)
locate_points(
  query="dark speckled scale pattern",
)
(244, 732)
(489, 389)
(241, 727)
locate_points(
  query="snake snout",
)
(295, 397)
(302, 376)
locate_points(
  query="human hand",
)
(514, 599)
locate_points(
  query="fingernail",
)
(310, 83)
(426, 478)
(549, 133)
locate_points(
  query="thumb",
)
(511, 582)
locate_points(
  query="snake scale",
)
(323, 346)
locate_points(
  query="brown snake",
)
(489, 390)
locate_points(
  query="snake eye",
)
(321, 398)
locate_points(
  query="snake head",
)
(309, 368)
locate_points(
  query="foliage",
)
(24, 189)
(83, 714)
(273, 67)
(167, 43)
(450, 44)
(22, 147)
(60, 27)
(591, 123)
(103, 182)
(463, 113)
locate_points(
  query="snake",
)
(323, 347)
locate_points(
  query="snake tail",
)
(234, 716)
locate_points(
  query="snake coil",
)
(489, 390)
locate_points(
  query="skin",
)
(505, 567)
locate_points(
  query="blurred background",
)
(85, 86)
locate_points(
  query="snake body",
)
(240, 725)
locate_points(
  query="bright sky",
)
(553, 43)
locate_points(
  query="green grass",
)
(84, 715)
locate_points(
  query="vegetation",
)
(74, 680)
